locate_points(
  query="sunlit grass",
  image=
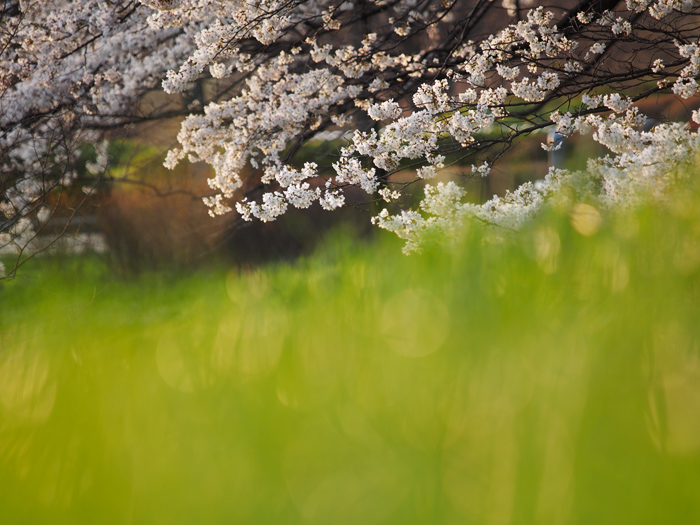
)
(551, 379)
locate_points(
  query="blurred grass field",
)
(554, 378)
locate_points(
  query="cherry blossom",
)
(406, 86)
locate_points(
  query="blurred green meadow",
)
(553, 378)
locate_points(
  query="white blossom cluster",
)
(57, 61)
(647, 166)
(256, 127)
(662, 8)
(278, 104)
(686, 86)
(233, 133)
(276, 72)
(69, 67)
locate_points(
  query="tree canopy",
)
(407, 84)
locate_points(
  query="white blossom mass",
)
(412, 86)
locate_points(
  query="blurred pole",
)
(557, 157)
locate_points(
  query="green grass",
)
(552, 379)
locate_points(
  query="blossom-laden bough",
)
(412, 84)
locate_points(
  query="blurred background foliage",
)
(553, 377)
(144, 217)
